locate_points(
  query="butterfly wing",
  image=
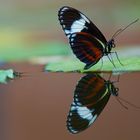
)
(86, 40)
(73, 21)
(87, 48)
(90, 97)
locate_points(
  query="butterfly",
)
(90, 97)
(86, 40)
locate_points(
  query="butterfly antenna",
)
(118, 99)
(131, 104)
(121, 30)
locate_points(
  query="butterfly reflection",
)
(90, 97)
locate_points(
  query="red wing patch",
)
(86, 47)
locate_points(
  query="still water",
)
(35, 107)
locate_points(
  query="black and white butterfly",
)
(90, 97)
(86, 40)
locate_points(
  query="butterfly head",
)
(110, 45)
(112, 89)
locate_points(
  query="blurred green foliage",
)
(18, 52)
(31, 28)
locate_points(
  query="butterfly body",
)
(111, 89)
(86, 40)
(90, 97)
(109, 46)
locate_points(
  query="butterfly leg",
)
(111, 60)
(101, 64)
(116, 81)
(110, 75)
(100, 69)
(117, 57)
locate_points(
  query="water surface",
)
(36, 107)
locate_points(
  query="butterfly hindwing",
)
(90, 97)
(86, 47)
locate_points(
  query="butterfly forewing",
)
(79, 118)
(73, 21)
(90, 97)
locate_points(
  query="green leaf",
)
(6, 75)
(130, 58)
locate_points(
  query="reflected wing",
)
(73, 21)
(86, 40)
(87, 48)
(90, 97)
